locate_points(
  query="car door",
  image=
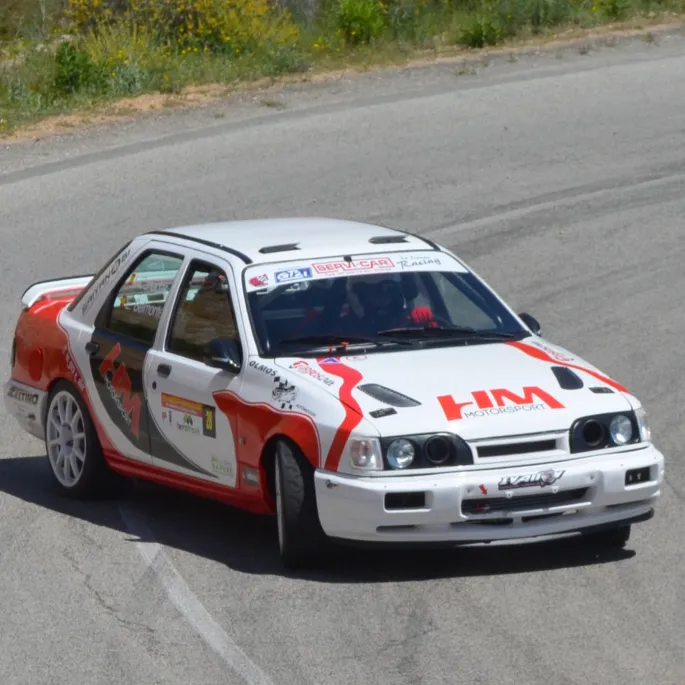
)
(124, 331)
(190, 436)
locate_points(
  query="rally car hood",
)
(477, 391)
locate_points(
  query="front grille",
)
(487, 505)
(516, 448)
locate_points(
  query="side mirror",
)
(531, 322)
(225, 354)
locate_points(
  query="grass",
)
(66, 56)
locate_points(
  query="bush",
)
(407, 19)
(480, 31)
(496, 20)
(235, 27)
(615, 10)
(74, 70)
(360, 21)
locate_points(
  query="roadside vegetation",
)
(58, 56)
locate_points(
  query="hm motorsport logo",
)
(492, 403)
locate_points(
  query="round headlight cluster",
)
(593, 433)
(400, 454)
(438, 450)
(425, 451)
(621, 429)
(602, 431)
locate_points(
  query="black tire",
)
(613, 538)
(302, 541)
(95, 478)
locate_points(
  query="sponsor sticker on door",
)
(190, 408)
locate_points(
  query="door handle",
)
(92, 347)
(164, 370)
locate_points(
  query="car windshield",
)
(378, 302)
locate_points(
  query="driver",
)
(377, 303)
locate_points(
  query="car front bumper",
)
(470, 507)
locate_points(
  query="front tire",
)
(302, 541)
(73, 449)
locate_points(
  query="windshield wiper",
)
(449, 331)
(339, 341)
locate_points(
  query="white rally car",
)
(361, 383)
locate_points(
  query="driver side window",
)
(204, 312)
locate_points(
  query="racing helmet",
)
(376, 295)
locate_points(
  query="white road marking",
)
(187, 603)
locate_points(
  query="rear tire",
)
(302, 541)
(74, 452)
(614, 538)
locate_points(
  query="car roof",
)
(268, 240)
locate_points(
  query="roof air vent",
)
(279, 248)
(384, 239)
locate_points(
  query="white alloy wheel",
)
(66, 438)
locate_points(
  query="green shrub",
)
(480, 31)
(74, 70)
(615, 10)
(233, 27)
(360, 21)
(406, 19)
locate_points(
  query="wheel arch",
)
(267, 463)
(63, 378)
(48, 393)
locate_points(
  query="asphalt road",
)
(561, 179)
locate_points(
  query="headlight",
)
(621, 429)
(605, 430)
(400, 454)
(425, 451)
(364, 454)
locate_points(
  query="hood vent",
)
(388, 396)
(568, 379)
(601, 390)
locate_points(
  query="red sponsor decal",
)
(261, 280)
(356, 265)
(303, 367)
(257, 423)
(119, 386)
(492, 399)
(75, 373)
(543, 356)
(353, 412)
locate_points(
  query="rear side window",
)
(75, 302)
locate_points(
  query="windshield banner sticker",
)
(263, 276)
(355, 266)
(289, 275)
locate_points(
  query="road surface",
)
(561, 179)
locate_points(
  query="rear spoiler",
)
(48, 290)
